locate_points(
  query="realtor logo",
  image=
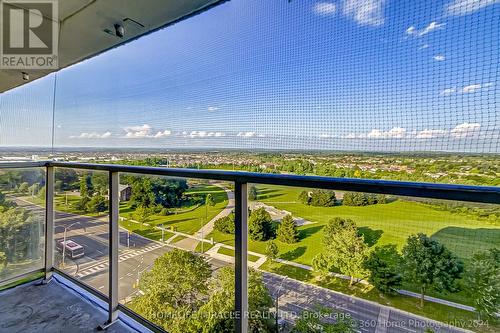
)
(29, 34)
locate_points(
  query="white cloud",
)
(423, 46)
(246, 134)
(476, 87)
(212, 108)
(464, 7)
(163, 134)
(350, 136)
(365, 12)
(92, 135)
(395, 132)
(137, 132)
(460, 131)
(412, 31)
(325, 8)
(472, 88)
(326, 136)
(465, 130)
(439, 57)
(447, 92)
(145, 131)
(431, 133)
(430, 28)
(203, 134)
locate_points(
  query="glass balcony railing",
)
(187, 250)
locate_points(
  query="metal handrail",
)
(483, 194)
(480, 194)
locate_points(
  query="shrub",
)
(97, 204)
(322, 198)
(260, 227)
(287, 230)
(252, 193)
(362, 199)
(225, 224)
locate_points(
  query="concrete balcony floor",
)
(53, 307)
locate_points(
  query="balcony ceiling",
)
(82, 25)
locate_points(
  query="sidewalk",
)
(190, 244)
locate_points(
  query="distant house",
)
(125, 192)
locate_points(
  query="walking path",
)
(190, 244)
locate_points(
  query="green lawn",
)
(230, 252)
(190, 220)
(389, 223)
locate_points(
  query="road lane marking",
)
(382, 321)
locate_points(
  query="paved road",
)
(295, 297)
(138, 254)
(190, 244)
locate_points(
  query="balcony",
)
(97, 294)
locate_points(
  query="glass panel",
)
(22, 221)
(81, 226)
(167, 273)
(320, 239)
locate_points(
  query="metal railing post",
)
(114, 241)
(241, 263)
(49, 223)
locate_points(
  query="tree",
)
(483, 281)
(428, 264)
(86, 188)
(217, 314)
(67, 177)
(287, 230)
(2, 198)
(97, 204)
(19, 234)
(304, 197)
(345, 248)
(322, 198)
(168, 192)
(3, 261)
(33, 189)
(252, 193)
(142, 193)
(142, 214)
(362, 199)
(225, 224)
(23, 187)
(321, 265)
(176, 285)
(314, 322)
(382, 264)
(260, 225)
(58, 185)
(272, 250)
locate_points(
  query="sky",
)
(370, 75)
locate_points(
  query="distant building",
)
(125, 192)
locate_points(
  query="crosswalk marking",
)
(127, 254)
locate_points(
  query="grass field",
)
(381, 224)
(230, 252)
(188, 219)
(192, 218)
